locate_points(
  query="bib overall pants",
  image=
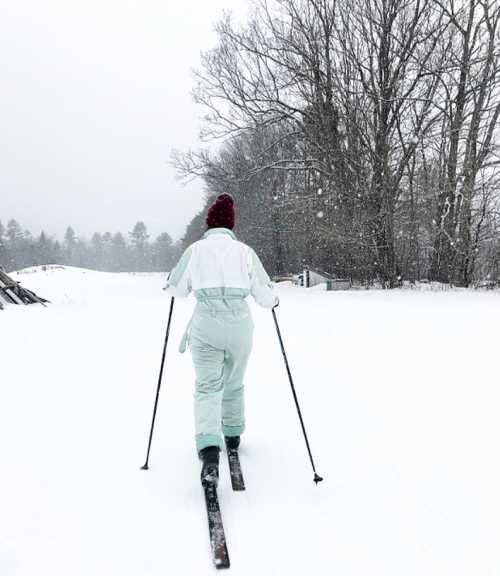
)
(220, 339)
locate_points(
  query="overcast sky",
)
(94, 94)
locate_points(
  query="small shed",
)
(309, 278)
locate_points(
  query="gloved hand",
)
(167, 285)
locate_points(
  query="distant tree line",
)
(107, 252)
(360, 138)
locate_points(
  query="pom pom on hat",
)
(221, 212)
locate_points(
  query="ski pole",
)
(146, 467)
(317, 478)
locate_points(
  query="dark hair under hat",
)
(221, 212)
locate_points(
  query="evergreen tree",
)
(29, 256)
(96, 252)
(3, 247)
(57, 253)
(15, 244)
(140, 247)
(106, 263)
(163, 253)
(43, 250)
(119, 253)
(14, 233)
(70, 245)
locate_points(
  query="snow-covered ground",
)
(399, 392)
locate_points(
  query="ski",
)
(218, 544)
(237, 481)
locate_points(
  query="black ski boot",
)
(210, 468)
(232, 442)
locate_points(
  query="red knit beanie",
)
(221, 212)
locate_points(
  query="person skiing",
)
(221, 272)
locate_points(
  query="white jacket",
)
(219, 266)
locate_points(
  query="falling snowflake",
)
(320, 191)
(320, 214)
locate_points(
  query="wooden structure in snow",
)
(12, 292)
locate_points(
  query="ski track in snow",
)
(399, 393)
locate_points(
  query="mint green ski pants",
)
(220, 339)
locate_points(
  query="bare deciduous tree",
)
(368, 127)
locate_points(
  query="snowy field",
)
(399, 392)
